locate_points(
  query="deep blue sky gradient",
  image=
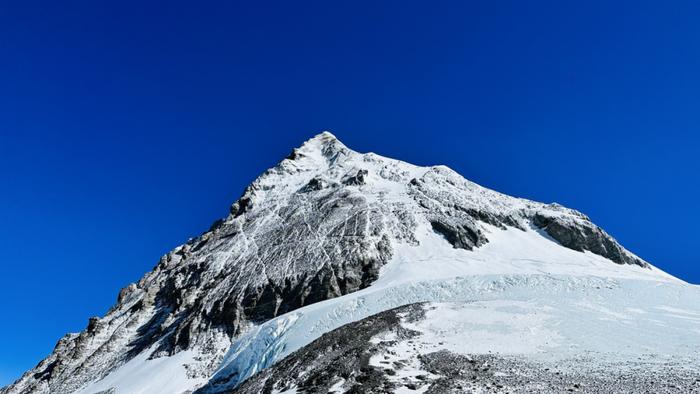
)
(127, 128)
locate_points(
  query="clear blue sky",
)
(127, 128)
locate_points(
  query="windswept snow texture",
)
(327, 237)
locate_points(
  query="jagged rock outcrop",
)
(584, 235)
(318, 225)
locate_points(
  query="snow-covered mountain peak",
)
(323, 147)
(321, 140)
(323, 164)
(326, 222)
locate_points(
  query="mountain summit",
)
(329, 237)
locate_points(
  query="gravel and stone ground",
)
(496, 374)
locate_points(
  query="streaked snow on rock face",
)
(329, 237)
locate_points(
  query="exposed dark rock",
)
(294, 154)
(584, 236)
(241, 206)
(45, 374)
(314, 184)
(357, 179)
(460, 236)
(92, 325)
